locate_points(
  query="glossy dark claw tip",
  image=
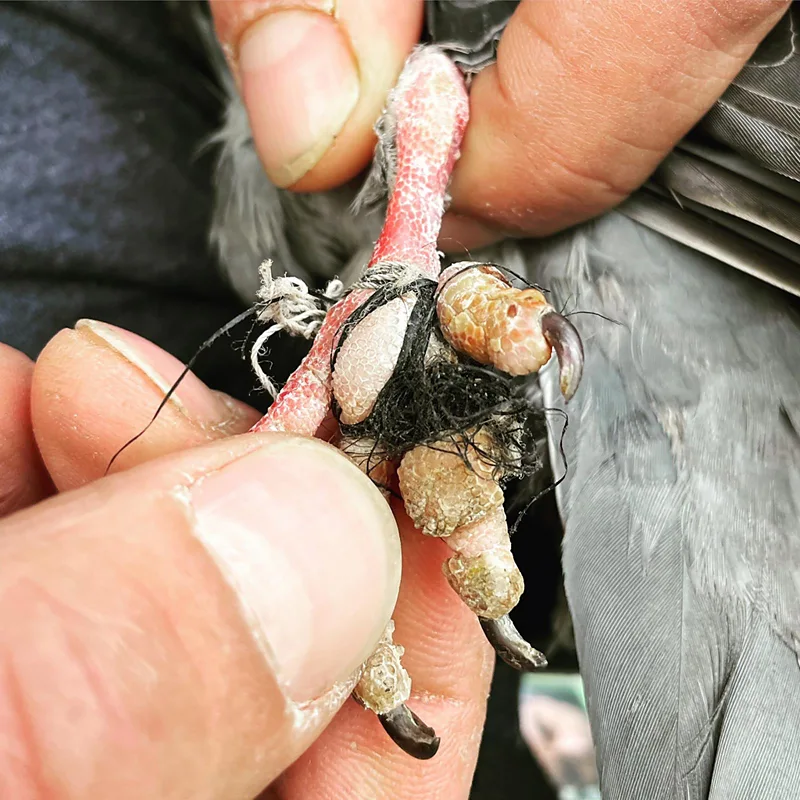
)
(510, 646)
(410, 733)
(564, 338)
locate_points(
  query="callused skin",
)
(481, 315)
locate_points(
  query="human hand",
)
(189, 626)
(583, 103)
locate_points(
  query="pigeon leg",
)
(454, 495)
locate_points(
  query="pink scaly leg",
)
(431, 108)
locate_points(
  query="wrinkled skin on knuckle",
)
(736, 27)
(546, 168)
(542, 180)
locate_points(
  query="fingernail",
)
(299, 83)
(192, 397)
(312, 551)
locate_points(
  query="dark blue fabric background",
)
(105, 190)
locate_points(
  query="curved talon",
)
(510, 646)
(410, 733)
(564, 338)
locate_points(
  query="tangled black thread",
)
(441, 403)
(444, 402)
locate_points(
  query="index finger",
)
(586, 98)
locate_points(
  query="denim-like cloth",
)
(105, 190)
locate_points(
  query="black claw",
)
(564, 338)
(410, 733)
(510, 646)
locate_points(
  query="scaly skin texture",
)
(483, 571)
(431, 110)
(480, 315)
(368, 357)
(384, 682)
(442, 493)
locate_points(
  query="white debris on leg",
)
(483, 571)
(384, 683)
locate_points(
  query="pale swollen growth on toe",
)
(483, 315)
(455, 495)
(442, 490)
(384, 684)
(367, 358)
(483, 571)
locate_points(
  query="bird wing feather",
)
(681, 508)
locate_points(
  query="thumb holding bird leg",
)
(188, 627)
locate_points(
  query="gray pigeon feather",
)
(681, 509)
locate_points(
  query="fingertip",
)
(314, 79)
(300, 85)
(23, 478)
(97, 386)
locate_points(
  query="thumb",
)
(189, 627)
(314, 77)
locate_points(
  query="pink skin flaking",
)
(432, 109)
(480, 315)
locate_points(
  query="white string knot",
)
(288, 303)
